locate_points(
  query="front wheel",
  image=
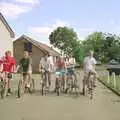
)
(2, 90)
(57, 87)
(32, 86)
(20, 91)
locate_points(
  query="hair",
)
(7, 52)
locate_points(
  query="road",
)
(104, 106)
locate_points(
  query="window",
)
(28, 47)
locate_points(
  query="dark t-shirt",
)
(25, 62)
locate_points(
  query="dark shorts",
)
(24, 74)
(9, 75)
(71, 71)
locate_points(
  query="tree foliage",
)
(105, 45)
(63, 38)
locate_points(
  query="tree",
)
(79, 52)
(105, 45)
(112, 46)
(63, 38)
(95, 42)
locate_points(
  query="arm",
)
(74, 61)
(30, 66)
(18, 66)
(94, 63)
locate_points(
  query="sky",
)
(38, 18)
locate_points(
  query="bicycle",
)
(25, 85)
(58, 83)
(90, 84)
(3, 84)
(43, 82)
(71, 82)
(2, 88)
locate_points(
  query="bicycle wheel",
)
(20, 92)
(91, 86)
(32, 85)
(84, 87)
(2, 90)
(57, 87)
(42, 89)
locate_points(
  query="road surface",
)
(104, 106)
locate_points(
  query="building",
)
(35, 48)
(6, 36)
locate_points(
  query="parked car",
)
(113, 62)
(113, 66)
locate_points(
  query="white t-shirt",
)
(44, 63)
(89, 64)
(51, 64)
(72, 62)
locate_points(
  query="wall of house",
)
(18, 49)
(5, 39)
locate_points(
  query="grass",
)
(100, 67)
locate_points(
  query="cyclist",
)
(26, 65)
(44, 69)
(88, 66)
(8, 65)
(61, 70)
(71, 68)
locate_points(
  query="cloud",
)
(45, 29)
(32, 2)
(14, 9)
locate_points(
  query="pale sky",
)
(37, 18)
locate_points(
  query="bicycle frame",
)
(89, 81)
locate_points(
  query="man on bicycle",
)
(44, 69)
(88, 66)
(26, 65)
(61, 69)
(8, 65)
(72, 63)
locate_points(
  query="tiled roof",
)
(40, 45)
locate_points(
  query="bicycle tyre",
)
(19, 89)
(2, 91)
(32, 85)
(42, 89)
(57, 87)
(58, 91)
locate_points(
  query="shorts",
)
(71, 71)
(9, 75)
(24, 74)
(60, 72)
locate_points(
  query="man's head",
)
(8, 53)
(26, 54)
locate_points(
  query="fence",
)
(112, 81)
